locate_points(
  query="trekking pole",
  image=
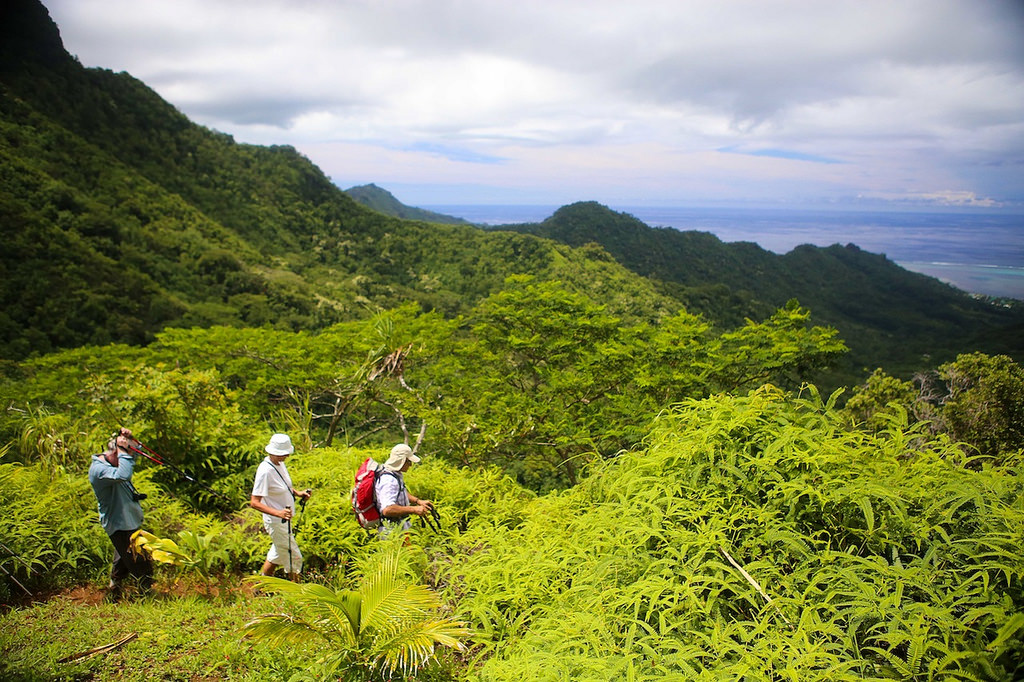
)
(14, 554)
(8, 574)
(289, 544)
(302, 506)
(434, 525)
(138, 447)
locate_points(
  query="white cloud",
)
(634, 97)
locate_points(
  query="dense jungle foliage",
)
(604, 494)
(636, 478)
(756, 537)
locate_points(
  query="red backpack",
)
(364, 499)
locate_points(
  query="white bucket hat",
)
(280, 444)
(399, 454)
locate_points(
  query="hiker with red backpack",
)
(394, 500)
(380, 499)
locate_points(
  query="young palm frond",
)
(387, 625)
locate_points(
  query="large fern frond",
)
(395, 604)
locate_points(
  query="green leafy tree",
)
(387, 626)
(780, 350)
(874, 402)
(985, 403)
(539, 382)
(546, 380)
(977, 399)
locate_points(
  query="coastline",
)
(980, 253)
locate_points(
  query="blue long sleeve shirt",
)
(113, 488)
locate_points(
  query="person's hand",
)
(428, 504)
(124, 439)
(306, 494)
(420, 509)
(286, 513)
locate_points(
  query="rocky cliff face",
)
(28, 35)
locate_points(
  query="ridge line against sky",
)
(916, 103)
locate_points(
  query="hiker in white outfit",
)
(274, 495)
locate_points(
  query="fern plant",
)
(869, 556)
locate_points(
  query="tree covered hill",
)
(121, 217)
(383, 201)
(888, 316)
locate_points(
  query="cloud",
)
(946, 198)
(891, 97)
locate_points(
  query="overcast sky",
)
(629, 103)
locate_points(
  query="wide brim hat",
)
(399, 454)
(280, 444)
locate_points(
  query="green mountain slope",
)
(888, 316)
(383, 201)
(120, 217)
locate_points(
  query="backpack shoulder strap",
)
(381, 471)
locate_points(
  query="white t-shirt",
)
(274, 485)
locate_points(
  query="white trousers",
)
(282, 540)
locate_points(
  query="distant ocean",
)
(982, 253)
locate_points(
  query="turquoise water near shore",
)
(989, 280)
(978, 252)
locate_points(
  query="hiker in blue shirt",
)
(395, 502)
(110, 475)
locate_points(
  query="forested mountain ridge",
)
(122, 217)
(383, 201)
(888, 316)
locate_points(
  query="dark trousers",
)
(129, 564)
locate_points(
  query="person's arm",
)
(257, 503)
(109, 475)
(418, 501)
(400, 511)
(387, 491)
